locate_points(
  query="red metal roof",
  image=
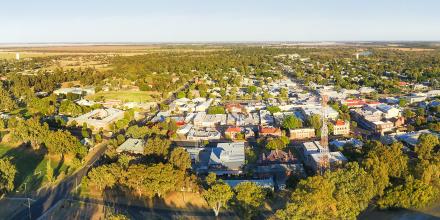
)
(269, 130)
(233, 129)
(340, 122)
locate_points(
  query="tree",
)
(98, 138)
(383, 162)
(137, 132)
(103, 176)
(273, 109)
(312, 199)
(407, 113)
(395, 161)
(284, 94)
(316, 122)
(49, 172)
(292, 122)
(402, 102)
(180, 95)
(44, 106)
(7, 175)
(421, 112)
(354, 190)
(412, 194)
(31, 131)
(161, 178)
(118, 216)
(252, 89)
(211, 179)
(342, 194)
(285, 140)
(180, 158)
(157, 147)
(124, 160)
(63, 142)
(120, 139)
(379, 172)
(276, 144)
(135, 179)
(85, 132)
(250, 198)
(218, 196)
(68, 107)
(216, 110)
(6, 102)
(426, 145)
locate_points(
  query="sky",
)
(52, 21)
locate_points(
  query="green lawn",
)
(31, 166)
(126, 96)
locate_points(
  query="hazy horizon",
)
(193, 21)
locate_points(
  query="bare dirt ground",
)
(67, 210)
(412, 49)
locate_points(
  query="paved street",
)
(59, 192)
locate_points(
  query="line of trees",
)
(386, 176)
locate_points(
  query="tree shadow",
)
(26, 160)
(57, 170)
(123, 200)
(396, 214)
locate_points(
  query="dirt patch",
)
(67, 210)
(407, 49)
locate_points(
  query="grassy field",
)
(126, 96)
(11, 55)
(31, 167)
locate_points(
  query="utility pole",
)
(29, 208)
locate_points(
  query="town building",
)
(184, 130)
(320, 158)
(301, 133)
(329, 160)
(76, 90)
(226, 157)
(235, 108)
(371, 118)
(235, 119)
(417, 97)
(353, 103)
(132, 145)
(99, 118)
(270, 132)
(232, 132)
(341, 127)
(277, 157)
(265, 183)
(412, 138)
(330, 113)
(197, 134)
(339, 144)
(266, 119)
(202, 119)
(388, 111)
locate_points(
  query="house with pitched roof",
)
(227, 157)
